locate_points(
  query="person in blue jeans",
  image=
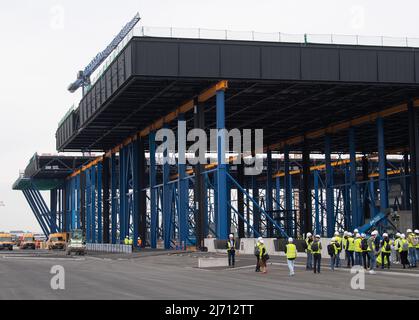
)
(333, 251)
(316, 248)
(412, 248)
(372, 251)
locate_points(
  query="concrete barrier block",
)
(212, 262)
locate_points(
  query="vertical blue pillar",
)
(356, 218)
(382, 166)
(122, 195)
(318, 228)
(114, 200)
(331, 220)
(94, 208)
(288, 216)
(166, 205)
(53, 226)
(269, 202)
(78, 203)
(89, 205)
(183, 186)
(136, 190)
(153, 191)
(99, 203)
(221, 169)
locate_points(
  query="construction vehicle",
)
(28, 242)
(57, 241)
(77, 243)
(6, 241)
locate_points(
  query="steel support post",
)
(83, 201)
(365, 178)
(88, 204)
(356, 217)
(94, 211)
(167, 210)
(106, 200)
(99, 232)
(288, 216)
(330, 197)
(255, 209)
(142, 184)
(318, 229)
(382, 166)
(307, 225)
(222, 168)
(269, 187)
(153, 191)
(114, 200)
(53, 208)
(406, 183)
(183, 183)
(240, 200)
(122, 195)
(414, 161)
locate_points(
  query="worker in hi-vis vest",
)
(291, 253)
(231, 251)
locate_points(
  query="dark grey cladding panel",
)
(240, 61)
(128, 61)
(320, 64)
(157, 59)
(417, 66)
(198, 59)
(396, 66)
(358, 65)
(281, 62)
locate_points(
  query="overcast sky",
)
(45, 42)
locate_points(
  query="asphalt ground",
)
(164, 275)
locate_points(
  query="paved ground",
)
(161, 275)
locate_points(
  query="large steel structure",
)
(329, 100)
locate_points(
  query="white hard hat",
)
(333, 239)
(261, 241)
(345, 233)
(350, 234)
(385, 234)
(358, 235)
(317, 236)
(356, 231)
(409, 231)
(398, 234)
(403, 236)
(290, 240)
(309, 235)
(363, 235)
(374, 233)
(260, 238)
(231, 235)
(416, 231)
(336, 233)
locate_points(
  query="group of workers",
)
(368, 252)
(130, 242)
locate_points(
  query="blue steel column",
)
(114, 199)
(122, 194)
(382, 166)
(221, 169)
(183, 189)
(153, 196)
(356, 219)
(88, 204)
(288, 193)
(93, 212)
(136, 191)
(318, 229)
(99, 203)
(329, 189)
(78, 203)
(166, 214)
(269, 202)
(53, 199)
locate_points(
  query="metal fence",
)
(111, 248)
(213, 34)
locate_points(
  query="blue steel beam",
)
(153, 191)
(331, 218)
(183, 189)
(114, 199)
(99, 203)
(94, 208)
(122, 195)
(382, 166)
(36, 212)
(53, 208)
(269, 201)
(356, 217)
(166, 207)
(288, 192)
(136, 191)
(221, 169)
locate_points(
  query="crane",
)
(83, 77)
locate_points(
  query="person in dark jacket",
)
(231, 250)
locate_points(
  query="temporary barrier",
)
(111, 248)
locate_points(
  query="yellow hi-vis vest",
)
(229, 247)
(308, 245)
(339, 241)
(383, 248)
(357, 244)
(351, 244)
(291, 251)
(126, 241)
(410, 240)
(401, 242)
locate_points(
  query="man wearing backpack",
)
(372, 251)
(350, 249)
(403, 250)
(412, 248)
(358, 250)
(364, 247)
(316, 248)
(257, 254)
(338, 243)
(385, 250)
(309, 241)
(333, 251)
(291, 252)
